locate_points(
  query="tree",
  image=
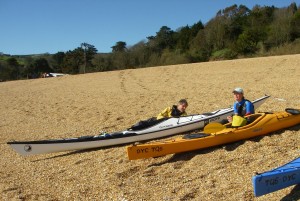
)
(200, 49)
(247, 42)
(295, 25)
(79, 60)
(183, 38)
(5, 72)
(120, 46)
(237, 22)
(58, 59)
(234, 11)
(281, 29)
(41, 65)
(88, 52)
(28, 67)
(225, 28)
(72, 61)
(102, 62)
(184, 35)
(139, 54)
(120, 56)
(164, 38)
(215, 33)
(195, 28)
(14, 68)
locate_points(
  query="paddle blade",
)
(213, 128)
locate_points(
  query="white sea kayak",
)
(161, 129)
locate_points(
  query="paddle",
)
(213, 127)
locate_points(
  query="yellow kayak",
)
(263, 123)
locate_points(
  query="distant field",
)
(21, 60)
(86, 104)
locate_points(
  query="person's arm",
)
(163, 114)
(184, 114)
(249, 108)
(249, 111)
(235, 112)
(235, 108)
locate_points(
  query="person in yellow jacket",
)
(174, 111)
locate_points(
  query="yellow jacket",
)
(170, 112)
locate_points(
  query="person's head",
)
(238, 94)
(182, 105)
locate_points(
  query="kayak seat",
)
(146, 123)
(208, 114)
(121, 134)
(292, 111)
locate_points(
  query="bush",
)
(285, 49)
(173, 58)
(224, 54)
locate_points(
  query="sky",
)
(49, 26)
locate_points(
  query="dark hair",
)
(183, 101)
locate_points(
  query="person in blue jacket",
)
(242, 107)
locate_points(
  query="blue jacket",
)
(243, 108)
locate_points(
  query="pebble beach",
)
(86, 104)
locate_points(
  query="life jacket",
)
(171, 112)
(242, 108)
(175, 112)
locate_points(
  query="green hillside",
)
(234, 32)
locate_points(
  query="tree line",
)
(235, 31)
